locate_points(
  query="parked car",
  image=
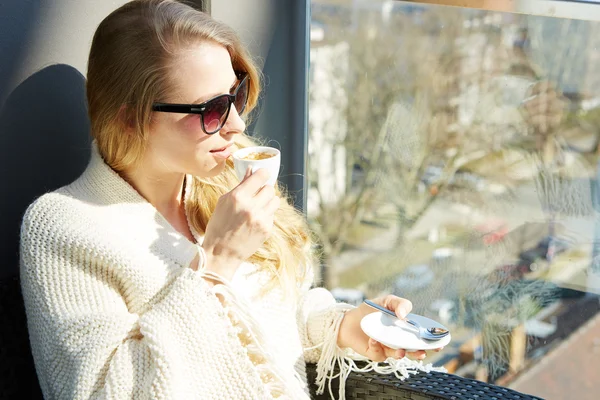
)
(533, 258)
(415, 277)
(546, 249)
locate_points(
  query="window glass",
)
(453, 160)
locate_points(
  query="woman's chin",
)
(217, 169)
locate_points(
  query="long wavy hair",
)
(132, 52)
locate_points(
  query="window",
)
(454, 160)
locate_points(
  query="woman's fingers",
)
(375, 351)
(266, 200)
(400, 353)
(379, 353)
(393, 303)
(273, 205)
(417, 355)
(395, 353)
(252, 183)
(263, 197)
(399, 305)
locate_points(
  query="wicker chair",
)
(18, 379)
(434, 385)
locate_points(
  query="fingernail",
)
(372, 342)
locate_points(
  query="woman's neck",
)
(164, 191)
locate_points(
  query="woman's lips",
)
(223, 152)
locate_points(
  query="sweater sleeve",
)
(318, 317)
(88, 344)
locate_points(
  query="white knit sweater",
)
(114, 311)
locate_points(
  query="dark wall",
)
(44, 129)
(44, 139)
(44, 144)
(17, 21)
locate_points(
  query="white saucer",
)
(388, 331)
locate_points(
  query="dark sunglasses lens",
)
(241, 97)
(215, 114)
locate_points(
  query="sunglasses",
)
(214, 112)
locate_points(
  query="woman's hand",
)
(242, 221)
(351, 335)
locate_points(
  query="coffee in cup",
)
(258, 157)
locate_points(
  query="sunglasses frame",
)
(199, 109)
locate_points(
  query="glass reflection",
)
(453, 160)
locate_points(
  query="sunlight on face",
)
(177, 143)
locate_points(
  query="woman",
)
(157, 274)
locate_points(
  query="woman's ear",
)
(126, 119)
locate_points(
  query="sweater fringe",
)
(255, 344)
(345, 360)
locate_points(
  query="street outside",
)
(466, 266)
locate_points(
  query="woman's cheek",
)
(193, 127)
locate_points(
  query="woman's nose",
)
(234, 123)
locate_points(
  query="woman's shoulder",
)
(54, 211)
(62, 222)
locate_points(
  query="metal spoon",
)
(434, 333)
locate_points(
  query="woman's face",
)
(177, 143)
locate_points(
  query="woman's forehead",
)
(202, 72)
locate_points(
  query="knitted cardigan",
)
(115, 312)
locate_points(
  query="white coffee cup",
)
(241, 162)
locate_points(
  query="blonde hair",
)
(132, 53)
